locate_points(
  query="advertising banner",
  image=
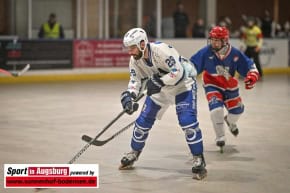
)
(99, 53)
(40, 54)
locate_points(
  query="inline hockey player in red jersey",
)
(219, 61)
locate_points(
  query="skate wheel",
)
(39, 189)
(129, 167)
(200, 176)
(221, 150)
(235, 132)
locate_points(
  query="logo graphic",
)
(223, 71)
(51, 176)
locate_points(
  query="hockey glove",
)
(127, 102)
(251, 79)
(154, 85)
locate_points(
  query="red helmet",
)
(219, 33)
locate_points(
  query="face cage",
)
(126, 49)
(139, 47)
(223, 44)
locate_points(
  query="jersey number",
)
(170, 61)
(132, 72)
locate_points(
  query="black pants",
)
(251, 53)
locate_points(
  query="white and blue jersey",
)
(180, 89)
(163, 60)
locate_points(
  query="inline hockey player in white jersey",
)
(170, 82)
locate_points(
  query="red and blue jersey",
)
(220, 71)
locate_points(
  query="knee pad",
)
(193, 135)
(144, 123)
(139, 137)
(194, 140)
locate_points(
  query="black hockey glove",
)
(127, 102)
(154, 85)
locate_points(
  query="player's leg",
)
(216, 107)
(187, 117)
(235, 108)
(141, 130)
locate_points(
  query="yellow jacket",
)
(253, 37)
(51, 32)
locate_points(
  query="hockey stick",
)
(101, 143)
(90, 142)
(16, 74)
(86, 137)
(104, 129)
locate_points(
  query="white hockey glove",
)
(189, 68)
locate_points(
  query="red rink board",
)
(99, 53)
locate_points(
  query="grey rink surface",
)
(43, 123)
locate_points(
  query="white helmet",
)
(134, 37)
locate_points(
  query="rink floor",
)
(42, 123)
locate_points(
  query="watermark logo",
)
(51, 175)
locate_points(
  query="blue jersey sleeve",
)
(198, 60)
(245, 65)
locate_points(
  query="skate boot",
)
(128, 160)
(220, 142)
(198, 169)
(233, 127)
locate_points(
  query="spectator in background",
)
(198, 29)
(278, 30)
(167, 27)
(181, 21)
(51, 29)
(253, 39)
(150, 25)
(287, 28)
(266, 24)
(225, 21)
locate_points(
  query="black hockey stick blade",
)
(96, 142)
(88, 139)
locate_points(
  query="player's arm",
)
(188, 67)
(134, 86)
(247, 69)
(135, 82)
(252, 77)
(197, 61)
